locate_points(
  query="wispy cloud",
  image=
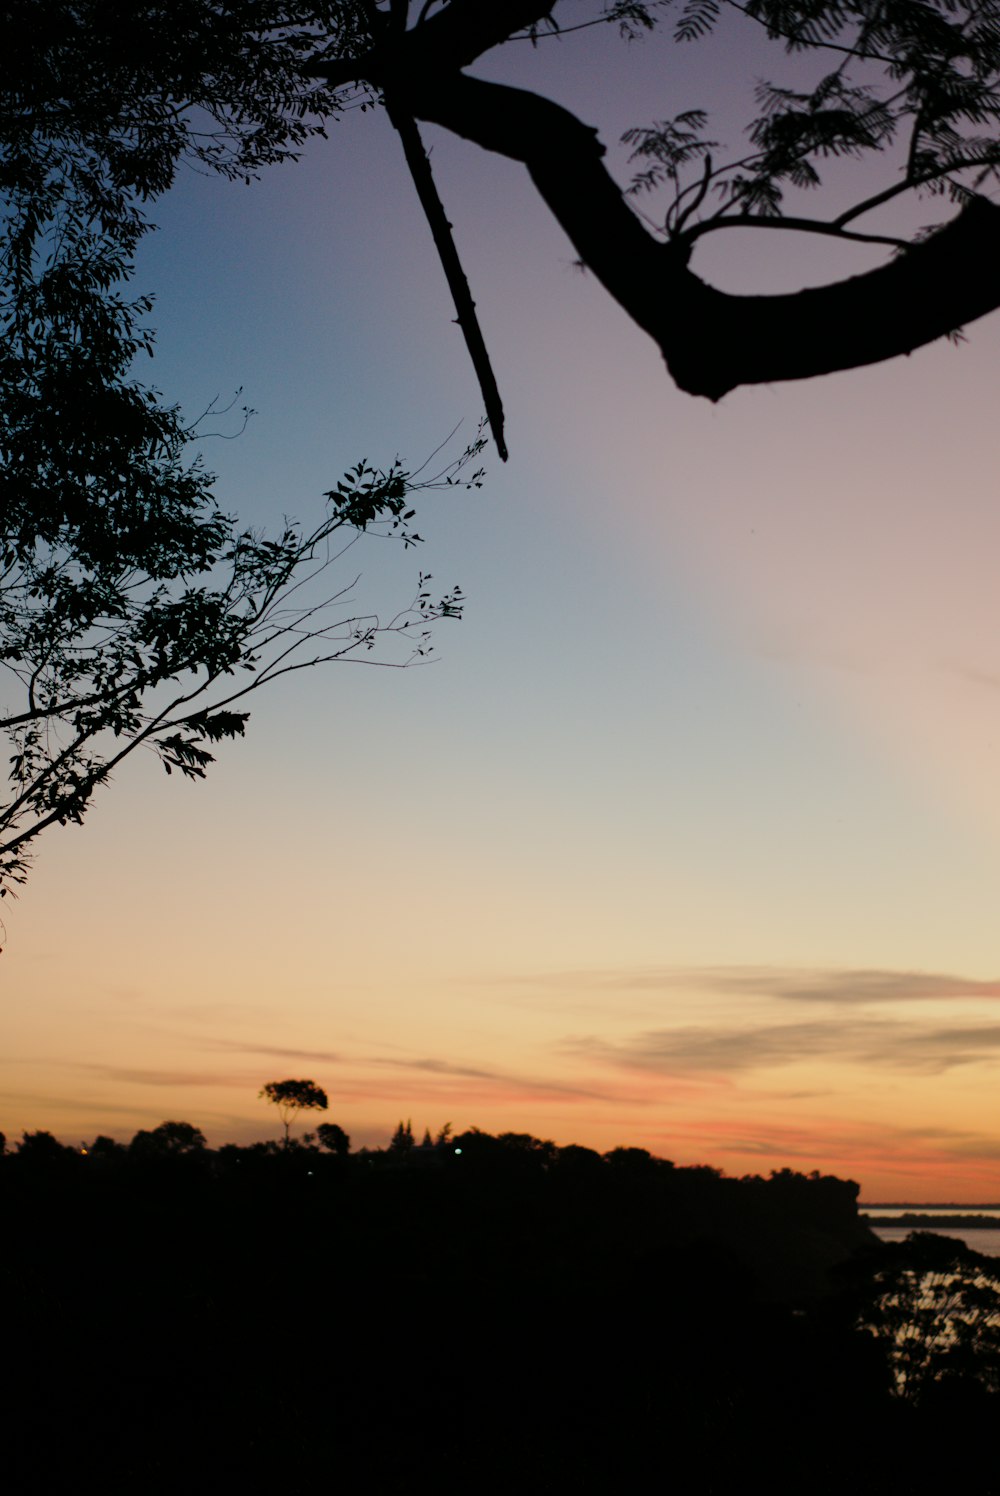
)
(512, 1083)
(273, 1051)
(842, 985)
(483, 1079)
(876, 1042)
(845, 985)
(126, 1074)
(55, 1104)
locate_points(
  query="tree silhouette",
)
(934, 1305)
(402, 1139)
(292, 1097)
(334, 1138)
(918, 83)
(42, 1148)
(104, 1147)
(167, 1140)
(134, 613)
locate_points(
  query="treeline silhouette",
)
(477, 1313)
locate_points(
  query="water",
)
(980, 1239)
(985, 1239)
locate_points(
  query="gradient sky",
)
(689, 838)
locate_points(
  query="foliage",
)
(170, 1139)
(402, 1139)
(633, 1160)
(333, 1138)
(935, 1307)
(292, 1097)
(919, 80)
(133, 611)
(41, 1148)
(109, 657)
(104, 1147)
(524, 1143)
(575, 1159)
(921, 77)
(107, 101)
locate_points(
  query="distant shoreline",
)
(926, 1207)
(922, 1220)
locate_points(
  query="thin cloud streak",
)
(523, 1084)
(514, 1085)
(273, 1051)
(128, 1075)
(55, 1105)
(848, 986)
(868, 1042)
(841, 985)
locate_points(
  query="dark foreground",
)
(503, 1319)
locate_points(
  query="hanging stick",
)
(420, 171)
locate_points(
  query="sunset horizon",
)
(687, 836)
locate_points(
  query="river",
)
(985, 1239)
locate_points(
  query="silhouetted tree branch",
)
(713, 341)
(465, 307)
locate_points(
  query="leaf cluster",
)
(296, 1094)
(104, 655)
(917, 78)
(935, 1308)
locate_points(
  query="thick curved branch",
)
(711, 341)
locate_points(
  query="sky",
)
(688, 838)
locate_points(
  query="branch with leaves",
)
(134, 613)
(100, 662)
(919, 85)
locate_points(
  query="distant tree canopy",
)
(292, 1097)
(42, 1148)
(686, 1326)
(167, 1140)
(334, 1138)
